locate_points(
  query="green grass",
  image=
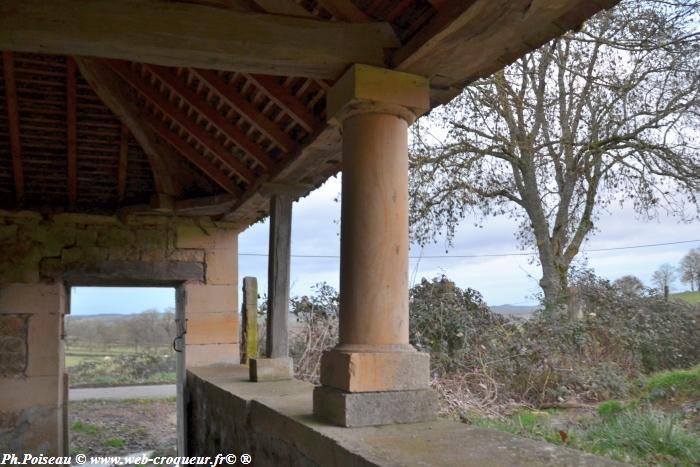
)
(644, 437)
(641, 435)
(610, 409)
(86, 428)
(684, 384)
(690, 297)
(114, 443)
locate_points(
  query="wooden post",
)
(666, 290)
(249, 318)
(278, 275)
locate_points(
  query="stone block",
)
(116, 237)
(86, 219)
(13, 345)
(205, 298)
(211, 354)
(44, 357)
(191, 255)
(208, 237)
(26, 392)
(31, 298)
(375, 371)
(8, 233)
(86, 237)
(271, 369)
(365, 83)
(374, 408)
(222, 267)
(212, 328)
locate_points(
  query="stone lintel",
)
(271, 369)
(366, 88)
(375, 371)
(374, 408)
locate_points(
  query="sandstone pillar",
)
(374, 376)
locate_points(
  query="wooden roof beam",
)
(256, 118)
(192, 155)
(71, 130)
(186, 34)
(123, 166)
(290, 104)
(181, 118)
(115, 95)
(200, 104)
(470, 39)
(344, 10)
(8, 67)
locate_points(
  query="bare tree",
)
(602, 115)
(664, 277)
(690, 269)
(629, 285)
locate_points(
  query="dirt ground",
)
(107, 427)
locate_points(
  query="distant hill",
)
(104, 316)
(520, 311)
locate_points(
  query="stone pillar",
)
(211, 306)
(32, 401)
(374, 376)
(277, 365)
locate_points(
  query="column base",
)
(271, 369)
(374, 408)
(374, 371)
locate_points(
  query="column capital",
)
(369, 89)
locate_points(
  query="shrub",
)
(551, 358)
(315, 331)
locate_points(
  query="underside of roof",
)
(118, 128)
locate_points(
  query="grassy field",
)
(119, 365)
(690, 297)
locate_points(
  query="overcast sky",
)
(501, 280)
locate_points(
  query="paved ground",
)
(160, 391)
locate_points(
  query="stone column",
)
(374, 376)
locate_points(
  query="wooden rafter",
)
(123, 162)
(290, 104)
(180, 117)
(469, 39)
(116, 96)
(71, 127)
(200, 104)
(190, 153)
(344, 10)
(13, 123)
(256, 118)
(186, 34)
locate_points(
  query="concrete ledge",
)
(375, 371)
(374, 408)
(271, 369)
(273, 422)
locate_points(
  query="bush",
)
(315, 330)
(609, 409)
(551, 358)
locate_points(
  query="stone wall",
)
(42, 255)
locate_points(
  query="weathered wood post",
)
(249, 320)
(277, 365)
